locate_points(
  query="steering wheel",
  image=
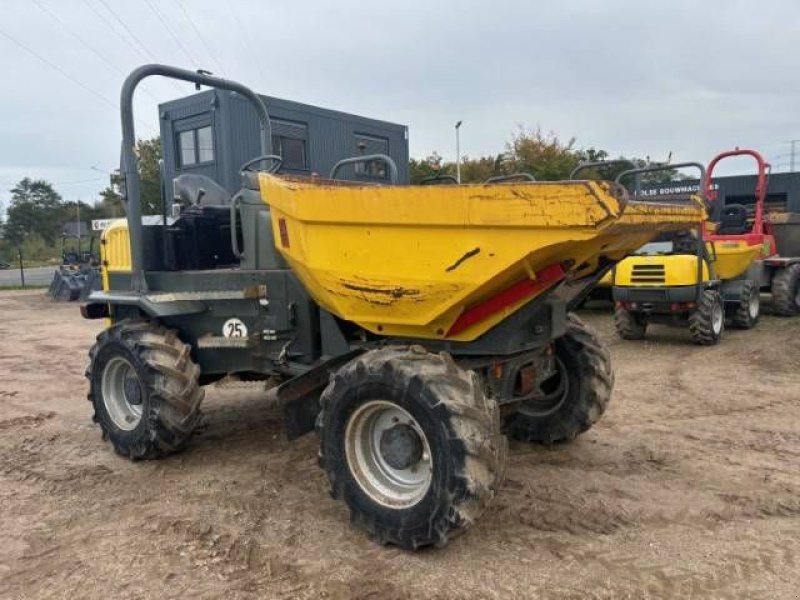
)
(277, 163)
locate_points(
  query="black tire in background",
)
(629, 326)
(707, 320)
(441, 405)
(579, 396)
(786, 291)
(144, 389)
(747, 311)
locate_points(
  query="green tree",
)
(544, 155)
(110, 205)
(473, 170)
(149, 154)
(35, 209)
(430, 166)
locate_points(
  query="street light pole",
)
(458, 152)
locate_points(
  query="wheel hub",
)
(122, 393)
(401, 446)
(133, 391)
(555, 390)
(388, 454)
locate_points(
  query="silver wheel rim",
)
(125, 411)
(389, 486)
(717, 318)
(753, 304)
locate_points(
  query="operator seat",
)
(192, 189)
(199, 238)
(733, 220)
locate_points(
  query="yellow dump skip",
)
(452, 261)
(734, 257)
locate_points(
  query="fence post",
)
(21, 268)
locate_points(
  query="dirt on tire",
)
(785, 290)
(688, 487)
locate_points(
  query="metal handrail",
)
(366, 158)
(439, 180)
(661, 168)
(513, 177)
(599, 164)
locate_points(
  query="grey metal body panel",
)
(147, 306)
(763, 271)
(786, 230)
(731, 290)
(330, 135)
(655, 295)
(533, 326)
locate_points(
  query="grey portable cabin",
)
(214, 132)
(783, 191)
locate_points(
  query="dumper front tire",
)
(786, 291)
(577, 395)
(629, 325)
(707, 321)
(412, 445)
(144, 389)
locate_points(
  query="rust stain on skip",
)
(393, 291)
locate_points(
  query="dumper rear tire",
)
(144, 389)
(629, 326)
(707, 321)
(412, 445)
(786, 291)
(580, 394)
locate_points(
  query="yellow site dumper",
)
(712, 273)
(413, 326)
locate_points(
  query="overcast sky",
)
(635, 78)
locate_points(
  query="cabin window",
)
(292, 150)
(196, 146)
(290, 142)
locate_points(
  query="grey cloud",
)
(632, 77)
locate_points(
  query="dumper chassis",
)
(411, 412)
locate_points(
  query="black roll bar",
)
(130, 172)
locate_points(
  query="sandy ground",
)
(690, 487)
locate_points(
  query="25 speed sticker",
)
(234, 328)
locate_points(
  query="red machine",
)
(757, 239)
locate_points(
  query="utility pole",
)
(458, 152)
(78, 225)
(791, 160)
(21, 268)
